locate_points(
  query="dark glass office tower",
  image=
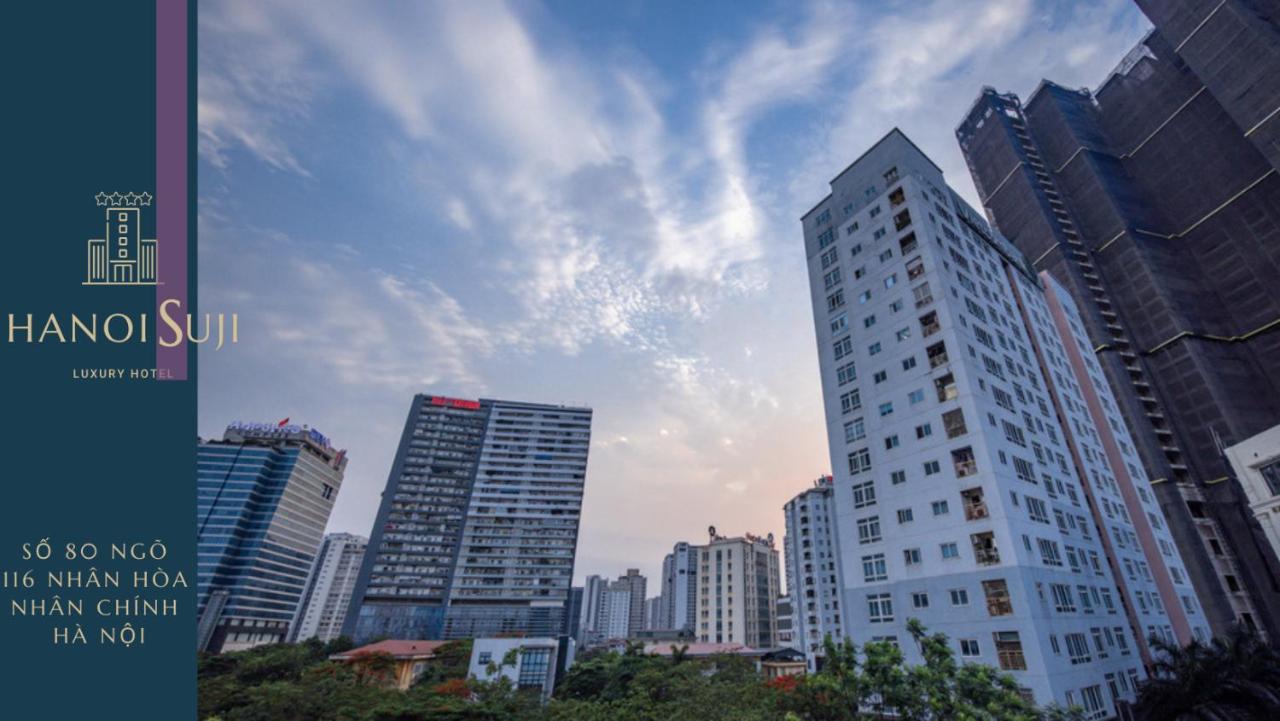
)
(263, 497)
(478, 526)
(1155, 200)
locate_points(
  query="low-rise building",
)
(529, 663)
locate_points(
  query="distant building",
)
(679, 587)
(652, 614)
(574, 616)
(786, 624)
(529, 663)
(478, 525)
(263, 497)
(1256, 462)
(589, 616)
(615, 614)
(328, 595)
(738, 587)
(635, 585)
(1155, 201)
(409, 660)
(813, 569)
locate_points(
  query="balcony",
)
(998, 601)
(929, 324)
(946, 388)
(937, 354)
(975, 508)
(897, 197)
(902, 220)
(915, 267)
(984, 548)
(1009, 651)
(964, 461)
(953, 420)
(908, 244)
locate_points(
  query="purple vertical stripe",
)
(171, 171)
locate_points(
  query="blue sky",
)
(587, 203)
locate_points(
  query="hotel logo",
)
(122, 256)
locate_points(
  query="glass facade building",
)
(478, 527)
(264, 495)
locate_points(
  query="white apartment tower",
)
(813, 570)
(333, 579)
(984, 481)
(738, 588)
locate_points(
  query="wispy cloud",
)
(541, 219)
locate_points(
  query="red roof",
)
(663, 648)
(398, 649)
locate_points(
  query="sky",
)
(579, 203)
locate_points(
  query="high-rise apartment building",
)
(635, 586)
(738, 589)
(614, 609)
(679, 588)
(328, 596)
(813, 569)
(478, 527)
(589, 617)
(263, 497)
(653, 613)
(1155, 201)
(983, 480)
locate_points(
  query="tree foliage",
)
(1232, 678)
(1235, 677)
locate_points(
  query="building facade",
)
(679, 588)
(478, 527)
(973, 488)
(264, 493)
(813, 569)
(1155, 201)
(635, 586)
(1256, 463)
(738, 589)
(786, 623)
(328, 596)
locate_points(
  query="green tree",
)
(1234, 677)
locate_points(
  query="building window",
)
(969, 648)
(880, 608)
(891, 442)
(534, 664)
(911, 556)
(874, 568)
(1009, 651)
(869, 530)
(905, 515)
(919, 600)
(940, 508)
(864, 494)
(931, 468)
(859, 461)
(897, 477)
(855, 430)
(959, 597)
(949, 551)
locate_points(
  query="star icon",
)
(131, 199)
(115, 199)
(144, 198)
(101, 198)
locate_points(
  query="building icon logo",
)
(122, 256)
